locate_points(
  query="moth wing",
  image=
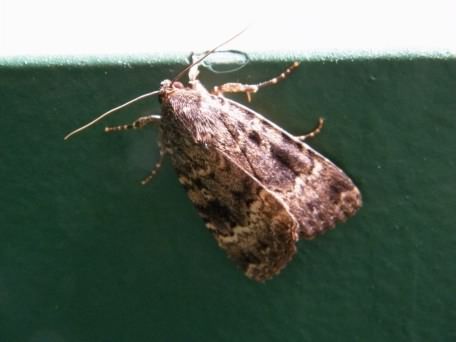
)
(248, 221)
(316, 191)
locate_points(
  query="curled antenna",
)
(152, 93)
(110, 112)
(179, 75)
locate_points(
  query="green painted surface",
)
(87, 254)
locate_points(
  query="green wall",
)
(87, 254)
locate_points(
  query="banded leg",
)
(249, 89)
(155, 169)
(138, 123)
(314, 132)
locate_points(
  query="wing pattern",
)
(257, 187)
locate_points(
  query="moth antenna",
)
(179, 75)
(110, 112)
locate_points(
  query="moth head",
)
(167, 85)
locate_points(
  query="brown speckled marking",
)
(258, 188)
(266, 188)
(255, 137)
(286, 139)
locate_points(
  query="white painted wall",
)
(81, 27)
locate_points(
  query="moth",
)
(258, 188)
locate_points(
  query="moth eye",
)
(178, 85)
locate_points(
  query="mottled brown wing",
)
(252, 182)
(248, 221)
(316, 191)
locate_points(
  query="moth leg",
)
(193, 72)
(155, 169)
(138, 123)
(314, 132)
(249, 89)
